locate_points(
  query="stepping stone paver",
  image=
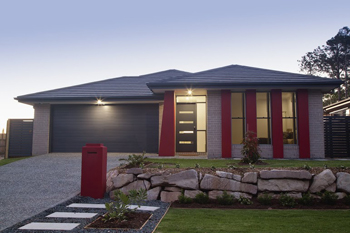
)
(71, 215)
(49, 226)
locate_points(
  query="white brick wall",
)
(266, 151)
(41, 129)
(214, 124)
(316, 125)
(290, 151)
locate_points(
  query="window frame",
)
(243, 118)
(294, 118)
(268, 118)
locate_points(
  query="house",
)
(340, 108)
(176, 112)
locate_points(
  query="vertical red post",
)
(303, 123)
(277, 124)
(251, 111)
(226, 124)
(167, 135)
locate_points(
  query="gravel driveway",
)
(32, 185)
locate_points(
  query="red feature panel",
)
(277, 125)
(167, 135)
(226, 124)
(251, 110)
(303, 123)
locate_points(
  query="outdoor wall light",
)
(99, 102)
(189, 92)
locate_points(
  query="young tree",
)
(331, 60)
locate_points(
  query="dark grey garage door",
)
(121, 128)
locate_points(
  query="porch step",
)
(71, 215)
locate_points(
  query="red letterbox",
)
(93, 170)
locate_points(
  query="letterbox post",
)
(93, 170)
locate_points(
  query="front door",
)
(186, 139)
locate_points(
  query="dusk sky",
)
(51, 44)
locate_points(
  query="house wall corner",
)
(316, 125)
(41, 129)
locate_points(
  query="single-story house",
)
(176, 112)
(340, 108)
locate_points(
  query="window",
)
(289, 118)
(263, 117)
(237, 117)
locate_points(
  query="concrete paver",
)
(30, 186)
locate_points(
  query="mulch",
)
(135, 220)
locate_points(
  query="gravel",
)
(41, 217)
(30, 186)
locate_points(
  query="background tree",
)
(331, 60)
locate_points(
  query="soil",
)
(135, 220)
(340, 204)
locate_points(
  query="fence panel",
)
(337, 136)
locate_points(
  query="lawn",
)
(187, 163)
(216, 220)
(7, 161)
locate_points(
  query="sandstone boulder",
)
(153, 194)
(322, 181)
(159, 180)
(332, 188)
(186, 179)
(109, 183)
(145, 176)
(250, 177)
(134, 170)
(169, 196)
(343, 181)
(122, 179)
(136, 185)
(192, 193)
(229, 175)
(172, 189)
(286, 174)
(340, 195)
(283, 185)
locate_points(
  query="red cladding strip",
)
(251, 110)
(226, 124)
(277, 125)
(303, 123)
(167, 136)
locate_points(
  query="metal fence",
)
(337, 136)
(2, 144)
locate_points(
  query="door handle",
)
(194, 127)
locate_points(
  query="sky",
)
(46, 45)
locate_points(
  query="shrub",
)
(201, 198)
(135, 160)
(307, 199)
(213, 168)
(306, 167)
(160, 166)
(250, 150)
(185, 200)
(245, 201)
(265, 199)
(119, 208)
(347, 199)
(177, 165)
(329, 198)
(197, 165)
(287, 201)
(226, 199)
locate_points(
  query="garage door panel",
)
(122, 128)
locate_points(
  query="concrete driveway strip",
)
(30, 186)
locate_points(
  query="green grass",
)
(215, 220)
(187, 163)
(7, 161)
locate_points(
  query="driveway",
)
(30, 186)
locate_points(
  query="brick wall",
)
(214, 124)
(291, 151)
(41, 129)
(316, 125)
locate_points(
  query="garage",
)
(129, 128)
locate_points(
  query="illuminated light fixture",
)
(99, 102)
(189, 92)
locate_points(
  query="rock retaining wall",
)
(168, 187)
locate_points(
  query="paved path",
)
(30, 186)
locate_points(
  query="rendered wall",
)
(41, 129)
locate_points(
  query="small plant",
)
(201, 198)
(287, 201)
(226, 199)
(307, 167)
(177, 165)
(160, 166)
(197, 165)
(119, 208)
(325, 166)
(250, 150)
(251, 166)
(135, 160)
(231, 167)
(213, 168)
(347, 199)
(185, 200)
(245, 201)
(265, 199)
(329, 198)
(307, 199)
